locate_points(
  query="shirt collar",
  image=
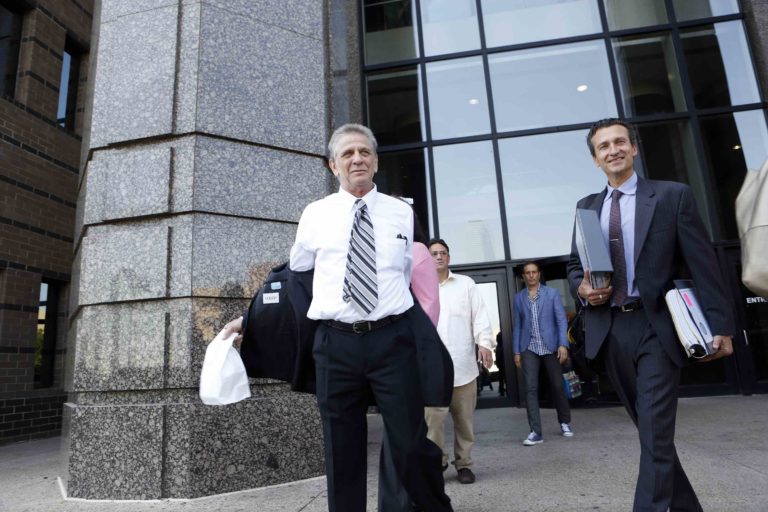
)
(370, 198)
(450, 276)
(628, 188)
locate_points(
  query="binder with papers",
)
(691, 325)
(593, 252)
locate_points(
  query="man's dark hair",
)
(534, 263)
(605, 123)
(441, 242)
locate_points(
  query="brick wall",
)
(39, 162)
(23, 419)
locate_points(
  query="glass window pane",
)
(468, 202)
(734, 144)
(390, 32)
(549, 86)
(694, 9)
(633, 13)
(719, 65)
(403, 174)
(449, 26)
(520, 21)
(10, 39)
(648, 74)
(458, 102)
(540, 193)
(395, 110)
(667, 152)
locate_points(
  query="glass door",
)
(502, 389)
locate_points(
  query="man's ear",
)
(332, 165)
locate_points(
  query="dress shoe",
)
(466, 476)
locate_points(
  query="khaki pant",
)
(462, 411)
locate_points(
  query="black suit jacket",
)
(671, 242)
(278, 338)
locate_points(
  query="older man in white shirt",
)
(463, 323)
(359, 243)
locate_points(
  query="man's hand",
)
(724, 347)
(235, 325)
(486, 356)
(595, 297)
(518, 361)
(562, 354)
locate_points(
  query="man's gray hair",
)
(346, 129)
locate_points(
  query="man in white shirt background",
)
(463, 323)
(359, 243)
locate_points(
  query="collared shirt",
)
(322, 243)
(463, 323)
(627, 207)
(537, 345)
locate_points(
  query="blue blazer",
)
(552, 321)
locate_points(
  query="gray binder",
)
(593, 252)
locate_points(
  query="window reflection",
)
(449, 26)
(719, 65)
(403, 174)
(394, 107)
(624, 14)
(458, 101)
(544, 176)
(668, 152)
(562, 84)
(693, 9)
(648, 74)
(390, 32)
(468, 202)
(734, 144)
(509, 22)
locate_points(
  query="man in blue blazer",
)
(655, 234)
(539, 337)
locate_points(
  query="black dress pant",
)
(351, 367)
(648, 382)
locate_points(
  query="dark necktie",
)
(616, 244)
(360, 287)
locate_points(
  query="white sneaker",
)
(532, 439)
(566, 428)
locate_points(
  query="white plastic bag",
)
(223, 379)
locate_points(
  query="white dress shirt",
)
(463, 322)
(322, 243)
(627, 207)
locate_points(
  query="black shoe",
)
(466, 476)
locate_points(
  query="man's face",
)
(614, 153)
(531, 275)
(355, 163)
(440, 255)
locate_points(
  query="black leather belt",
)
(363, 326)
(629, 306)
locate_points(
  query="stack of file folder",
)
(593, 252)
(691, 325)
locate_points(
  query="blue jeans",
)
(531, 365)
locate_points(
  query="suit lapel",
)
(597, 202)
(645, 204)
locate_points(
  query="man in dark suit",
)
(654, 232)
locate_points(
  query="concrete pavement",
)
(722, 442)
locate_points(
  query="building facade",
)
(185, 127)
(44, 49)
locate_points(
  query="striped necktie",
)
(360, 288)
(616, 238)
